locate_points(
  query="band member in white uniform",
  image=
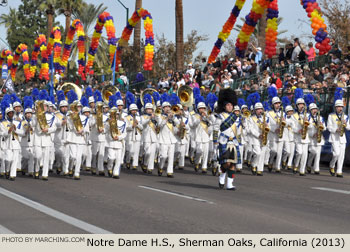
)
(337, 125)
(316, 139)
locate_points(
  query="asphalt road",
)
(189, 203)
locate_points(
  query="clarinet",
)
(134, 116)
(66, 125)
(29, 131)
(13, 135)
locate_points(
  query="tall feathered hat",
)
(112, 102)
(210, 101)
(6, 106)
(28, 104)
(61, 99)
(89, 95)
(286, 104)
(253, 99)
(119, 99)
(174, 99)
(226, 95)
(241, 103)
(309, 99)
(130, 99)
(98, 96)
(165, 100)
(35, 94)
(299, 96)
(16, 102)
(84, 101)
(273, 95)
(72, 96)
(338, 97)
(156, 98)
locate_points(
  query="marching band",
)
(103, 132)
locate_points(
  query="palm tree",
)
(66, 8)
(10, 20)
(50, 7)
(259, 31)
(88, 17)
(137, 30)
(179, 35)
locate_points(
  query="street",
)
(189, 203)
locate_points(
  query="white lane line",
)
(177, 194)
(331, 190)
(4, 230)
(53, 213)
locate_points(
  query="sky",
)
(205, 16)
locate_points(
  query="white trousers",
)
(289, 149)
(42, 155)
(134, 153)
(150, 155)
(98, 153)
(28, 158)
(258, 157)
(202, 152)
(76, 156)
(338, 151)
(180, 154)
(12, 157)
(301, 153)
(167, 153)
(314, 156)
(276, 150)
(87, 155)
(114, 157)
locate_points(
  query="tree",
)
(49, 7)
(24, 25)
(179, 36)
(137, 30)
(66, 8)
(165, 52)
(337, 13)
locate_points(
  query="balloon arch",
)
(319, 28)
(53, 48)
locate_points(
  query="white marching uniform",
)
(61, 145)
(289, 146)
(338, 142)
(258, 150)
(180, 147)
(301, 145)
(98, 144)
(43, 143)
(115, 148)
(12, 146)
(133, 141)
(202, 138)
(76, 143)
(276, 143)
(167, 141)
(314, 146)
(27, 146)
(150, 140)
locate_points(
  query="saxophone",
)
(40, 115)
(343, 125)
(265, 130)
(75, 117)
(99, 116)
(113, 124)
(305, 126)
(182, 130)
(320, 128)
(282, 124)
